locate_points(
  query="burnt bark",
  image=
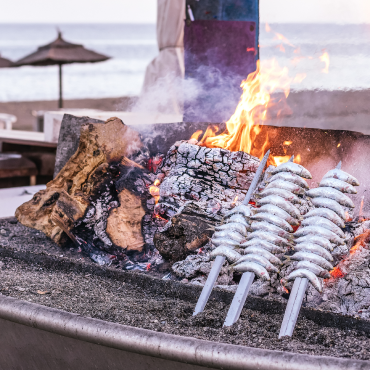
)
(187, 231)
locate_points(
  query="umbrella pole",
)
(60, 105)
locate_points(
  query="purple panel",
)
(226, 45)
(218, 56)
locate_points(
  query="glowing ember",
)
(348, 217)
(288, 142)
(360, 242)
(325, 58)
(154, 190)
(338, 145)
(159, 217)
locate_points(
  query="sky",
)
(144, 11)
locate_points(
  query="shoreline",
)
(27, 122)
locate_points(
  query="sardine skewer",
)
(300, 284)
(241, 294)
(219, 261)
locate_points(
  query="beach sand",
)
(26, 121)
(341, 110)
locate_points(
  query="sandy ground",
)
(119, 300)
(26, 120)
(341, 110)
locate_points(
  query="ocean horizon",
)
(132, 47)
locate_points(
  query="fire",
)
(325, 58)
(280, 159)
(360, 242)
(243, 127)
(288, 142)
(234, 201)
(338, 145)
(348, 217)
(196, 135)
(154, 190)
(360, 215)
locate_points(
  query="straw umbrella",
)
(61, 52)
(5, 63)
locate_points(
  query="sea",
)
(332, 56)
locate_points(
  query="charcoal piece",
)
(197, 268)
(187, 231)
(192, 266)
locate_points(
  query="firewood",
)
(79, 189)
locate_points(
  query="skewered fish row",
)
(231, 233)
(322, 227)
(271, 224)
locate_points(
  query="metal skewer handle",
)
(208, 286)
(219, 261)
(293, 307)
(239, 298)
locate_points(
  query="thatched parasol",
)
(61, 52)
(5, 63)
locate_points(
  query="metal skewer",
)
(295, 301)
(241, 293)
(293, 307)
(219, 261)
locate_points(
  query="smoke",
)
(209, 96)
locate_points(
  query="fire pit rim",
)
(160, 345)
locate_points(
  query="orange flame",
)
(196, 135)
(243, 126)
(338, 145)
(154, 190)
(243, 129)
(287, 142)
(279, 36)
(325, 58)
(234, 201)
(361, 208)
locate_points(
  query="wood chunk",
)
(124, 222)
(89, 173)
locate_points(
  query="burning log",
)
(198, 186)
(97, 198)
(211, 177)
